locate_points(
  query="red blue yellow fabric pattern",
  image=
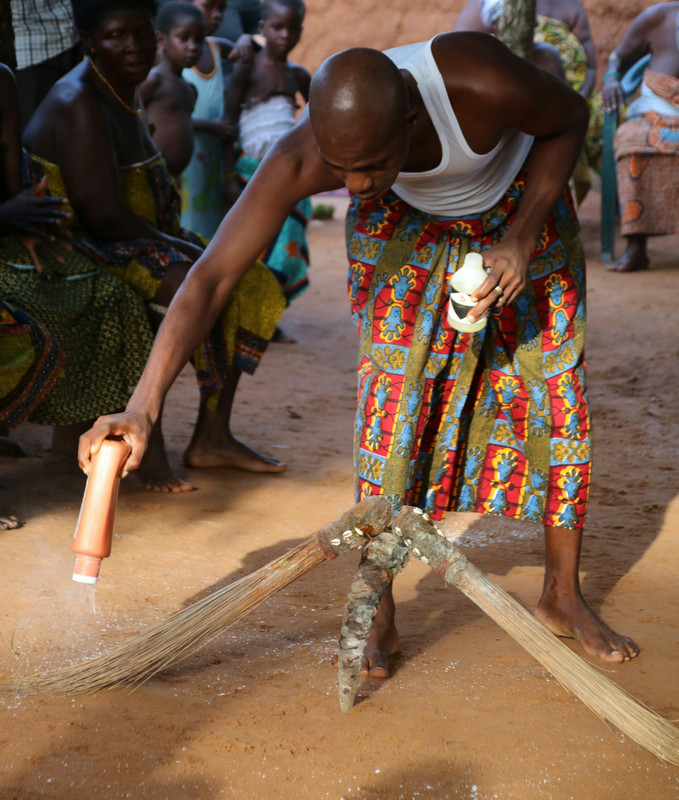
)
(493, 422)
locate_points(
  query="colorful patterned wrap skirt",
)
(100, 325)
(493, 422)
(30, 362)
(242, 333)
(647, 164)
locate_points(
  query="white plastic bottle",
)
(465, 282)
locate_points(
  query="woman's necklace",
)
(114, 93)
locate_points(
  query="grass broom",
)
(147, 653)
(601, 695)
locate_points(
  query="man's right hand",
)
(132, 426)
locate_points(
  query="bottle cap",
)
(86, 568)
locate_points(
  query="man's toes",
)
(374, 667)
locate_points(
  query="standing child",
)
(202, 183)
(262, 99)
(168, 99)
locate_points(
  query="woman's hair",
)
(293, 5)
(89, 13)
(171, 13)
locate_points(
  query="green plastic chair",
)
(630, 82)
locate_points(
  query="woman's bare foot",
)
(282, 337)
(227, 451)
(155, 472)
(576, 620)
(8, 522)
(634, 259)
(627, 263)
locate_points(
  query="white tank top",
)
(464, 182)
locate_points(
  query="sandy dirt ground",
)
(254, 713)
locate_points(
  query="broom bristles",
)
(147, 653)
(597, 692)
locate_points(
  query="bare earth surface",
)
(254, 713)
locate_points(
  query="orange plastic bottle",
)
(93, 532)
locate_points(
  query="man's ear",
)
(411, 118)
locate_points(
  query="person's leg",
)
(155, 471)
(562, 608)
(214, 445)
(383, 639)
(635, 257)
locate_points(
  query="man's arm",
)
(291, 171)
(493, 91)
(469, 19)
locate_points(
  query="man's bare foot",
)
(383, 641)
(630, 261)
(155, 472)
(230, 452)
(381, 645)
(576, 620)
(8, 522)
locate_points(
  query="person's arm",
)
(236, 91)
(493, 91)
(633, 46)
(241, 50)
(303, 78)
(148, 88)
(579, 25)
(36, 220)
(10, 141)
(292, 170)
(87, 159)
(469, 19)
(233, 102)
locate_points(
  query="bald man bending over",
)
(447, 146)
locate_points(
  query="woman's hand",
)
(133, 426)
(612, 94)
(38, 221)
(508, 265)
(31, 243)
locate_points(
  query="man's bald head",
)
(359, 89)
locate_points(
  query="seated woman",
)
(89, 137)
(73, 338)
(564, 26)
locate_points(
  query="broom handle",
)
(601, 695)
(381, 561)
(364, 521)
